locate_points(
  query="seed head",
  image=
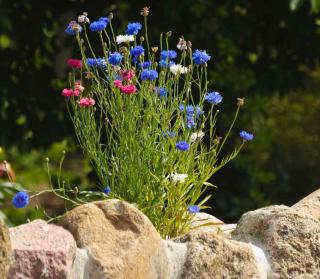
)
(145, 11)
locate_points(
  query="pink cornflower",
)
(76, 92)
(117, 83)
(127, 75)
(75, 63)
(78, 86)
(67, 92)
(128, 89)
(86, 102)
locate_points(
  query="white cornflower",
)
(83, 18)
(178, 177)
(178, 69)
(193, 137)
(197, 136)
(124, 39)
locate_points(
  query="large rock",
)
(205, 222)
(290, 239)
(41, 250)
(210, 255)
(5, 250)
(310, 205)
(116, 241)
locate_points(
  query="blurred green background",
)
(265, 51)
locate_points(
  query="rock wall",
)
(113, 239)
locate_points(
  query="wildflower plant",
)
(145, 118)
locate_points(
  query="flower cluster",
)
(97, 62)
(148, 75)
(161, 92)
(75, 63)
(214, 98)
(75, 92)
(20, 199)
(155, 111)
(246, 136)
(182, 146)
(133, 28)
(73, 28)
(115, 58)
(128, 87)
(200, 57)
(86, 102)
(124, 39)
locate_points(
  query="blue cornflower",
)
(137, 51)
(145, 65)
(98, 25)
(149, 74)
(213, 97)
(190, 110)
(182, 145)
(193, 208)
(169, 134)
(199, 111)
(97, 62)
(73, 28)
(133, 28)
(104, 19)
(246, 136)
(115, 58)
(190, 122)
(200, 57)
(107, 190)
(161, 91)
(181, 107)
(166, 64)
(168, 54)
(20, 199)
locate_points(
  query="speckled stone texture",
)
(211, 256)
(290, 239)
(116, 241)
(310, 205)
(5, 250)
(41, 250)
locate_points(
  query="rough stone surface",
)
(41, 250)
(176, 255)
(310, 205)
(5, 250)
(205, 222)
(120, 242)
(210, 255)
(290, 239)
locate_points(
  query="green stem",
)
(230, 128)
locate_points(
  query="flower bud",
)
(123, 49)
(169, 34)
(154, 49)
(89, 75)
(182, 44)
(141, 39)
(217, 140)
(240, 102)
(110, 16)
